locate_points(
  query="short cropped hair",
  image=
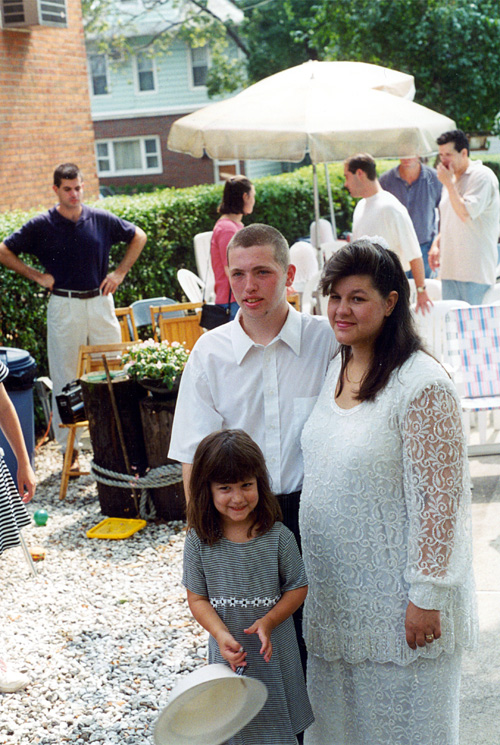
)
(363, 161)
(232, 197)
(458, 137)
(67, 171)
(228, 457)
(258, 234)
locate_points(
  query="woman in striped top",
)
(13, 514)
(245, 578)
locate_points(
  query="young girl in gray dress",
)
(244, 578)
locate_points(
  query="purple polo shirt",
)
(75, 253)
(420, 199)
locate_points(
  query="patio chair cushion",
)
(473, 340)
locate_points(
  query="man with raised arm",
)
(465, 251)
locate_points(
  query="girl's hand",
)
(263, 630)
(26, 482)
(422, 626)
(231, 650)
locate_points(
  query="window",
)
(128, 157)
(224, 169)
(199, 65)
(99, 74)
(145, 68)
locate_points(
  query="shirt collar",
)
(290, 334)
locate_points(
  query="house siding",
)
(174, 86)
(45, 112)
(179, 170)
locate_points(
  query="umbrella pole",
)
(314, 237)
(330, 200)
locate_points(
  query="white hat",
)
(209, 706)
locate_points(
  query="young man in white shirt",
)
(261, 372)
(379, 213)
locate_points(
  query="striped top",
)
(243, 581)
(13, 514)
(4, 371)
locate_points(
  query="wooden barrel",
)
(115, 501)
(157, 414)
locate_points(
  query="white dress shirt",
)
(230, 382)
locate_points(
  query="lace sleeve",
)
(437, 496)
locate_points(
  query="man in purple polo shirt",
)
(72, 243)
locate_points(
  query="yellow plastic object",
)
(116, 528)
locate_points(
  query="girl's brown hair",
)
(232, 196)
(227, 457)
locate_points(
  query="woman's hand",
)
(231, 650)
(263, 629)
(422, 626)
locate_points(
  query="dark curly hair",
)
(399, 338)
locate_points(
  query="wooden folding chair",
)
(294, 299)
(89, 360)
(179, 322)
(126, 320)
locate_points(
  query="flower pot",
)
(161, 390)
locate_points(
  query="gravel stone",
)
(104, 630)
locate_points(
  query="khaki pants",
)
(72, 322)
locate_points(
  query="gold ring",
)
(429, 637)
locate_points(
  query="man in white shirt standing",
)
(261, 372)
(465, 251)
(379, 213)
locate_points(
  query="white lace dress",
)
(384, 519)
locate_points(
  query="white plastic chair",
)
(309, 300)
(201, 243)
(433, 286)
(330, 247)
(432, 326)
(473, 355)
(304, 257)
(324, 233)
(192, 286)
(492, 295)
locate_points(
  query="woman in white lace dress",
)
(385, 522)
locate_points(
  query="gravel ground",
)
(103, 631)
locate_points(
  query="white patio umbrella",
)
(329, 110)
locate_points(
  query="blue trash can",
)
(19, 386)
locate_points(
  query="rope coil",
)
(155, 478)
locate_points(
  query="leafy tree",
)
(277, 35)
(273, 36)
(452, 48)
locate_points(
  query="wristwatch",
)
(421, 289)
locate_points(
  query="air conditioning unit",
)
(22, 13)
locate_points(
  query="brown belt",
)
(81, 294)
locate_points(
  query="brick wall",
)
(44, 112)
(179, 170)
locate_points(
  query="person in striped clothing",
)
(13, 514)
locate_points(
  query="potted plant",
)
(156, 365)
